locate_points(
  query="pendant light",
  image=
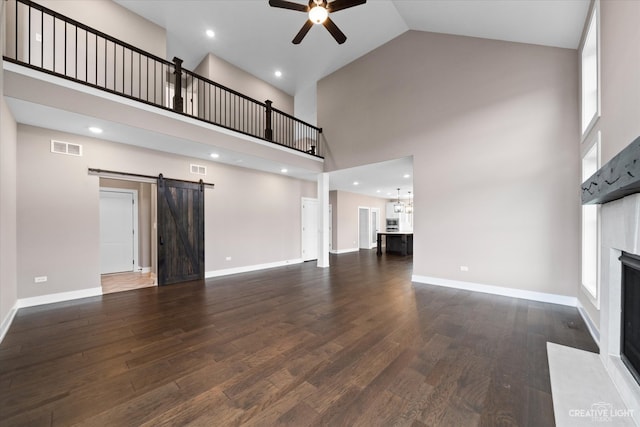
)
(409, 208)
(398, 207)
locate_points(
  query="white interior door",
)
(330, 227)
(375, 226)
(309, 229)
(363, 228)
(116, 231)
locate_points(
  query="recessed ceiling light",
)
(278, 73)
(215, 155)
(406, 175)
(356, 183)
(210, 34)
(95, 129)
(377, 191)
(284, 170)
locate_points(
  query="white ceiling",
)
(257, 38)
(376, 180)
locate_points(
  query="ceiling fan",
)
(318, 11)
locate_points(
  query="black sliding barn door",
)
(180, 231)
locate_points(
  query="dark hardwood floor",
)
(354, 345)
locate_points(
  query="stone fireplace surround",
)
(620, 231)
(616, 186)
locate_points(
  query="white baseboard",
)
(6, 322)
(595, 333)
(59, 297)
(248, 268)
(44, 299)
(498, 290)
(344, 251)
(143, 269)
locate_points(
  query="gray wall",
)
(345, 213)
(492, 127)
(619, 121)
(8, 236)
(227, 74)
(252, 217)
(115, 20)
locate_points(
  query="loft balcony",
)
(45, 41)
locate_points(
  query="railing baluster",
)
(29, 38)
(208, 101)
(17, 30)
(54, 45)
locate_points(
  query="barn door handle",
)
(161, 241)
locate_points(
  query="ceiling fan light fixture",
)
(318, 14)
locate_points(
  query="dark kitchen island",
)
(397, 242)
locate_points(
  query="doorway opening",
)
(364, 228)
(309, 229)
(127, 230)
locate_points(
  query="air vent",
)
(61, 147)
(198, 170)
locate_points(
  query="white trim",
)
(303, 201)
(49, 78)
(6, 323)
(135, 238)
(45, 299)
(498, 290)
(248, 268)
(595, 142)
(368, 233)
(344, 251)
(594, 12)
(144, 269)
(59, 297)
(595, 334)
(372, 225)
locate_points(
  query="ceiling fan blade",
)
(289, 5)
(337, 5)
(334, 30)
(303, 32)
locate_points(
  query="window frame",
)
(593, 16)
(593, 142)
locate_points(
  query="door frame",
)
(374, 243)
(330, 228)
(302, 240)
(134, 193)
(368, 234)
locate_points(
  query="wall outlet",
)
(464, 268)
(40, 279)
(228, 258)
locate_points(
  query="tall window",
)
(590, 236)
(589, 68)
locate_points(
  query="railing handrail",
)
(291, 132)
(248, 98)
(87, 28)
(319, 129)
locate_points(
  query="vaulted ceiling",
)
(257, 38)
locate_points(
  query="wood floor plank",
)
(355, 344)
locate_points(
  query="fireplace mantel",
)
(619, 178)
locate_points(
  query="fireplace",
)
(630, 316)
(616, 187)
